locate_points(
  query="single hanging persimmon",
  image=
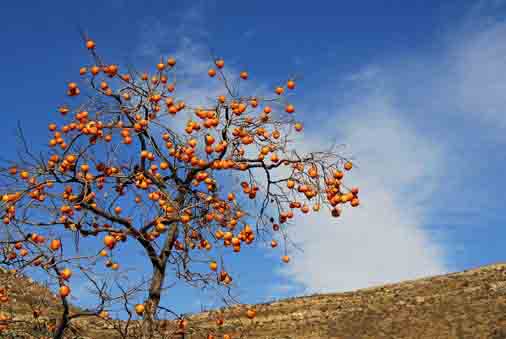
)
(139, 309)
(348, 166)
(109, 241)
(244, 75)
(285, 259)
(289, 108)
(171, 62)
(279, 90)
(90, 44)
(66, 274)
(220, 63)
(355, 202)
(55, 245)
(211, 72)
(64, 291)
(95, 70)
(290, 84)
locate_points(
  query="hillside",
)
(469, 304)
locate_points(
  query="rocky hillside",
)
(469, 304)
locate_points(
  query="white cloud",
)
(420, 127)
(480, 68)
(382, 240)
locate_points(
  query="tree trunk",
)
(157, 280)
(151, 306)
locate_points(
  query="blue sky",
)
(415, 90)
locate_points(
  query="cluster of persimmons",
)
(118, 168)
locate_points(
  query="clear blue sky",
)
(416, 88)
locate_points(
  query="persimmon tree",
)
(117, 172)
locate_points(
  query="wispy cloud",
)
(383, 239)
(416, 123)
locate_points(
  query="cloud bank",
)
(416, 124)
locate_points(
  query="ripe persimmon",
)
(95, 70)
(220, 63)
(171, 62)
(139, 309)
(109, 241)
(251, 313)
(90, 44)
(66, 274)
(64, 291)
(55, 244)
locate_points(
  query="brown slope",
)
(469, 304)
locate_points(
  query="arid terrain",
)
(469, 304)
